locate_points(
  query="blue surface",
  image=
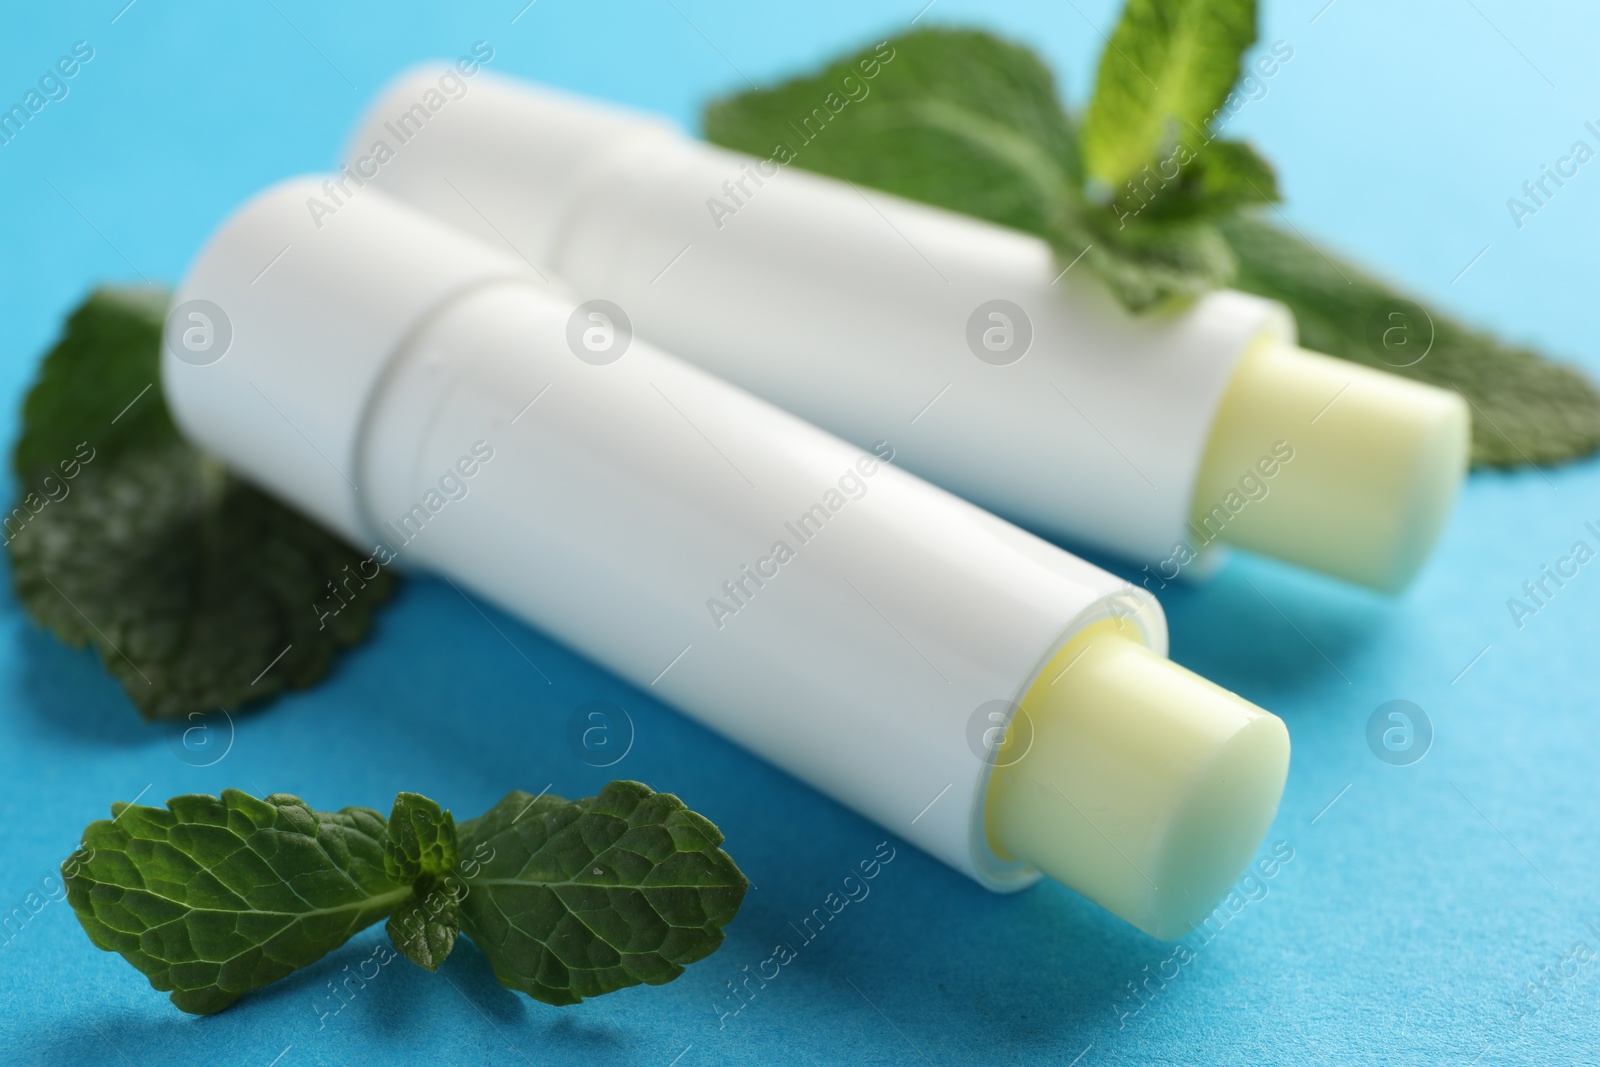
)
(1417, 907)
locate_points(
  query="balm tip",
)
(1342, 468)
(1136, 782)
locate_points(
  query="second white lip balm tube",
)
(998, 375)
(868, 632)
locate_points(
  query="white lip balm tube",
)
(995, 374)
(868, 632)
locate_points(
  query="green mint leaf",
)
(425, 925)
(189, 582)
(1526, 409)
(106, 358)
(213, 898)
(968, 122)
(1163, 75)
(575, 899)
(422, 839)
(955, 118)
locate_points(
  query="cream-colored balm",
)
(983, 694)
(996, 374)
(1137, 783)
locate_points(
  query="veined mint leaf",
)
(1526, 409)
(422, 839)
(213, 898)
(1165, 71)
(425, 925)
(956, 118)
(575, 899)
(189, 582)
(102, 375)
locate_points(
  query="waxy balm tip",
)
(1136, 782)
(1365, 465)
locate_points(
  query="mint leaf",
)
(1165, 71)
(189, 582)
(422, 839)
(422, 850)
(103, 374)
(1526, 409)
(956, 118)
(576, 899)
(213, 898)
(425, 925)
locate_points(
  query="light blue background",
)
(1416, 907)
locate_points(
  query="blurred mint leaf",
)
(1164, 73)
(189, 582)
(213, 898)
(1526, 409)
(955, 118)
(576, 899)
(104, 366)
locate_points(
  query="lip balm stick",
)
(866, 631)
(994, 373)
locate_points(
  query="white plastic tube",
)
(992, 371)
(838, 616)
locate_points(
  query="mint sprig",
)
(197, 590)
(212, 898)
(1156, 204)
